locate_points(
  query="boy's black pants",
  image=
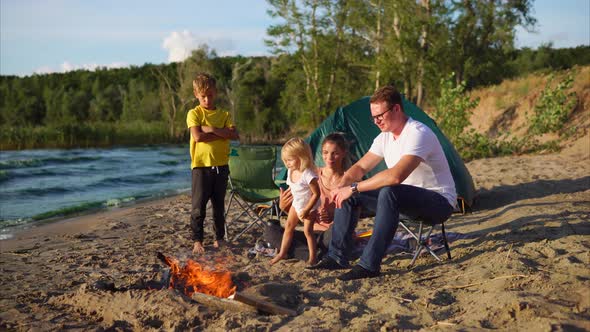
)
(208, 183)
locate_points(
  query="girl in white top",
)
(303, 181)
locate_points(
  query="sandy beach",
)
(523, 267)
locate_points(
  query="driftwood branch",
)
(483, 282)
(263, 305)
(444, 324)
(427, 278)
(508, 254)
(402, 299)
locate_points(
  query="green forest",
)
(325, 54)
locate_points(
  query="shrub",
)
(453, 108)
(473, 145)
(553, 107)
(452, 114)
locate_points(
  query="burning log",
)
(215, 288)
(192, 277)
(263, 305)
(222, 304)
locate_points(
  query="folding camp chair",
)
(423, 237)
(251, 184)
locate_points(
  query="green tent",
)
(354, 120)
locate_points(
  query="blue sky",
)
(39, 36)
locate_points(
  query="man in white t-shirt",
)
(417, 183)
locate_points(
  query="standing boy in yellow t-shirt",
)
(211, 130)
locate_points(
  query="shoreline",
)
(23, 235)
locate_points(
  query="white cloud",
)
(180, 45)
(44, 70)
(66, 66)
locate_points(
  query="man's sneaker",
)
(326, 263)
(358, 272)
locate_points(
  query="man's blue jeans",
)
(387, 203)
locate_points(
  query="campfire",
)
(192, 277)
(214, 287)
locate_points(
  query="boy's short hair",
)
(387, 94)
(203, 82)
(296, 147)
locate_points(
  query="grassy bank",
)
(86, 135)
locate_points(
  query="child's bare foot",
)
(218, 244)
(198, 248)
(276, 259)
(312, 262)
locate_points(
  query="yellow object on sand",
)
(364, 234)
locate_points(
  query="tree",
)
(176, 89)
(313, 31)
(53, 102)
(106, 103)
(140, 102)
(367, 21)
(256, 93)
(481, 36)
(75, 105)
(423, 50)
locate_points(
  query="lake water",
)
(36, 185)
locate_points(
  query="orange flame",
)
(192, 277)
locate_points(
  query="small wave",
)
(36, 162)
(170, 162)
(42, 191)
(69, 210)
(20, 163)
(32, 193)
(134, 179)
(175, 153)
(149, 178)
(85, 207)
(6, 236)
(69, 160)
(118, 202)
(4, 175)
(12, 222)
(39, 172)
(73, 210)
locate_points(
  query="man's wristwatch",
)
(354, 188)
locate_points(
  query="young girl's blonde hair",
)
(296, 147)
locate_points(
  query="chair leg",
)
(426, 246)
(245, 229)
(247, 210)
(258, 221)
(423, 243)
(419, 247)
(446, 243)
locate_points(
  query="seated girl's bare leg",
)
(311, 240)
(290, 225)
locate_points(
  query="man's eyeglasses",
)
(379, 117)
